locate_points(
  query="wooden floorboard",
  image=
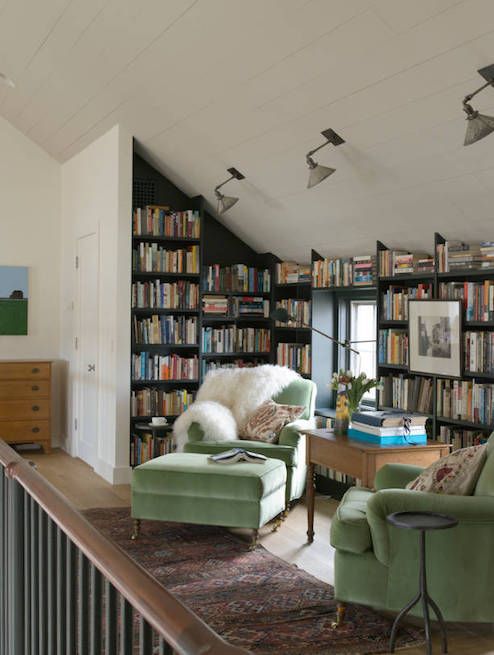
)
(78, 482)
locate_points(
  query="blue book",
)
(413, 439)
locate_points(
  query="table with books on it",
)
(374, 439)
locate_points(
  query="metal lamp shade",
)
(225, 203)
(478, 126)
(318, 173)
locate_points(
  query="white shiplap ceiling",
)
(207, 84)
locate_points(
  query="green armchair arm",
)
(475, 513)
(396, 476)
(290, 435)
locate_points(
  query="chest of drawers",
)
(25, 402)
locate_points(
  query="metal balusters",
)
(164, 648)
(96, 611)
(83, 605)
(51, 587)
(3, 564)
(61, 550)
(126, 628)
(110, 619)
(42, 583)
(15, 548)
(71, 598)
(27, 573)
(34, 577)
(145, 637)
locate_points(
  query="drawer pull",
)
(35, 408)
(35, 370)
(35, 387)
(35, 430)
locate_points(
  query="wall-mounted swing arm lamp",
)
(226, 202)
(317, 172)
(479, 125)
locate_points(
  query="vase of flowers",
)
(351, 389)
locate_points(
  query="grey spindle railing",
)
(66, 590)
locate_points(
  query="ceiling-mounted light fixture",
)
(318, 173)
(226, 202)
(479, 125)
(6, 81)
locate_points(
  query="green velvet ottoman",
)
(188, 488)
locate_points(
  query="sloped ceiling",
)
(208, 84)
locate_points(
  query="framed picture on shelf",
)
(434, 332)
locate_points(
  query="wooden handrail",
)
(184, 631)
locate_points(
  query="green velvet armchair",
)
(290, 448)
(377, 564)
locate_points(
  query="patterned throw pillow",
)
(456, 474)
(269, 419)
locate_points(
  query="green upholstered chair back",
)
(485, 483)
(299, 392)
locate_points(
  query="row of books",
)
(165, 295)
(144, 447)
(457, 255)
(477, 298)
(233, 339)
(156, 402)
(213, 364)
(395, 300)
(393, 347)
(409, 394)
(147, 366)
(465, 400)
(237, 277)
(177, 330)
(158, 221)
(460, 438)
(152, 258)
(293, 273)
(402, 262)
(235, 306)
(479, 351)
(294, 355)
(299, 309)
(344, 272)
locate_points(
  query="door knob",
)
(91, 367)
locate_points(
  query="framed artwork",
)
(434, 332)
(13, 299)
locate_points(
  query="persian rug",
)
(253, 599)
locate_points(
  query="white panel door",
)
(87, 344)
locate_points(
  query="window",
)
(362, 328)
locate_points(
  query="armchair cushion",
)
(350, 531)
(269, 419)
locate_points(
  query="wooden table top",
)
(328, 435)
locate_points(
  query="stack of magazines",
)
(389, 428)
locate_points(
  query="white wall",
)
(97, 197)
(30, 236)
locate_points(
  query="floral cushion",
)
(269, 419)
(456, 474)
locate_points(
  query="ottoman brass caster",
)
(277, 522)
(340, 616)
(255, 540)
(136, 529)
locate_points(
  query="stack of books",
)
(165, 330)
(152, 258)
(477, 297)
(395, 300)
(250, 306)
(299, 309)
(465, 400)
(402, 262)
(457, 255)
(389, 428)
(232, 339)
(332, 272)
(156, 402)
(165, 295)
(393, 347)
(295, 356)
(157, 221)
(292, 273)
(215, 305)
(479, 352)
(237, 277)
(213, 364)
(460, 438)
(146, 366)
(409, 394)
(364, 270)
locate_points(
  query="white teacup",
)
(158, 420)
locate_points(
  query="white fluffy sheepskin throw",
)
(227, 399)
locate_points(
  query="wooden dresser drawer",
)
(24, 371)
(24, 389)
(24, 431)
(25, 409)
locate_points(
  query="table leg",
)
(310, 502)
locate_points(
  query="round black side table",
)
(422, 521)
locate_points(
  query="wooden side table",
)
(360, 460)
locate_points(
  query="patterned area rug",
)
(252, 599)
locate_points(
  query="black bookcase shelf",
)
(164, 240)
(239, 355)
(175, 382)
(158, 274)
(159, 310)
